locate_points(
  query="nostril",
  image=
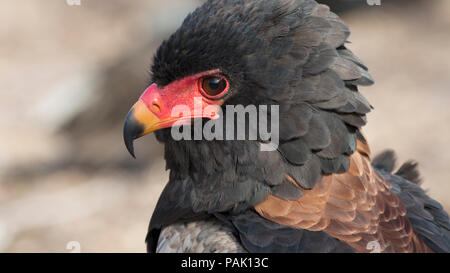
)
(156, 107)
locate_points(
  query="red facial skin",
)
(182, 92)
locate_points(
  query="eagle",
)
(319, 189)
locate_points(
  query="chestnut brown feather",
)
(356, 213)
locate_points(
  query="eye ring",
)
(213, 86)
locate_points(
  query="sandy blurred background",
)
(69, 74)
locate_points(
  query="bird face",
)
(196, 96)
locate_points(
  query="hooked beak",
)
(139, 122)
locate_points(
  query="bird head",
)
(218, 58)
(156, 108)
(289, 53)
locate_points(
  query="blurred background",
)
(69, 74)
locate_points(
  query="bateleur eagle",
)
(319, 190)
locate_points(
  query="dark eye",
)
(214, 86)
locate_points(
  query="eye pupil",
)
(213, 86)
(214, 83)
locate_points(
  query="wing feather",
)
(356, 207)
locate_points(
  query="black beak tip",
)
(130, 147)
(131, 130)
